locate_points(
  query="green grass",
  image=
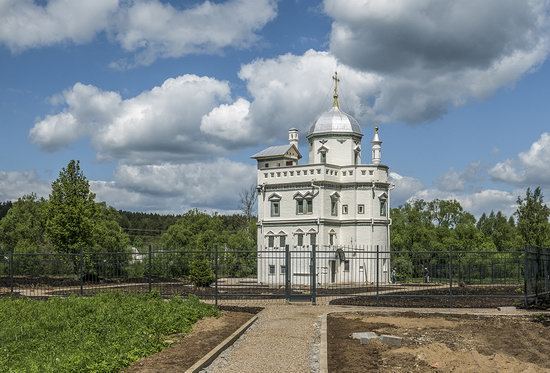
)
(103, 333)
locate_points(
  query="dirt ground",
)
(491, 296)
(188, 349)
(439, 343)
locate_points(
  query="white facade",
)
(334, 201)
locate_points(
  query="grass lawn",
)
(103, 333)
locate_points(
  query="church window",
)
(312, 239)
(279, 164)
(299, 206)
(346, 265)
(289, 163)
(334, 207)
(266, 165)
(283, 270)
(360, 209)
(323, 157)
(271, 269)
(270, 241)
(275, 208)
(383, 207)
(331, 239)
(300, 239)
(282, 241)
(309, 206)
(344, 209)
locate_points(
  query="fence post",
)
(150, 269)
(216, 275)
(10, 270)
(450, 272)
(287, 272)
(525, 266)
(377, 272)
(313, 270)
(81, 270)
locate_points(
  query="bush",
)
(201, 274)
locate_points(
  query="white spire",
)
(293, 137)
(376, 147)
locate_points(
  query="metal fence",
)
(369, 275)
(537, 276)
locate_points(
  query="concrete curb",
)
(216, 351)
(323, 348)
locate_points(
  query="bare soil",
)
(461, 297)
(439, 343)
(186, 350)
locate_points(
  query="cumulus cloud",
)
(405, 188)
(177, 187)
(157, 125)
(433, 54)
(289, 91)
(154, 29)
(15, 184)
(149, 28)
(530, 167)
(456, 181)
(24, 24)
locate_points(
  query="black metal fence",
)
(537, 276)
(348, 275)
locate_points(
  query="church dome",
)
(335, 121)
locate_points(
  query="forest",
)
(70, 221)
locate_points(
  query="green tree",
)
(201, 273)
(22, 229)
(501, 230)
(71, 211)
(533, 215)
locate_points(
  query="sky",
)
(163, 102)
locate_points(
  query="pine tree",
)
(71, 211)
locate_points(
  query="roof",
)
(276, 151)
(335, 121)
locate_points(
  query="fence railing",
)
(291, 273)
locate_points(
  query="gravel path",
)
(285, 338)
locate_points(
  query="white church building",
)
(334, 201)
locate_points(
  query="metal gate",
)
(300, 274)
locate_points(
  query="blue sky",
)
(163, 102)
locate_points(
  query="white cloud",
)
(24, 24)
(530, 167)
(149, 28)
(157, 125)
(433, 54)
(15, 184)
(230, 122)
(405, 188)
(177, 187)
(456, 181)
(291, 91)
(154, 29)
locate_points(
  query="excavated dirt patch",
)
(439, 343)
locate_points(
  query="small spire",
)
(335, 102)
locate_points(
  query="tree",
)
(248, 201)
(4, 208)
(533, 215)
(71, 211)
(22, 229)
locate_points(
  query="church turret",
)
(376, 148)
(293, 137)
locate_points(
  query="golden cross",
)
(335, 102)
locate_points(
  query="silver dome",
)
(335, 121)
